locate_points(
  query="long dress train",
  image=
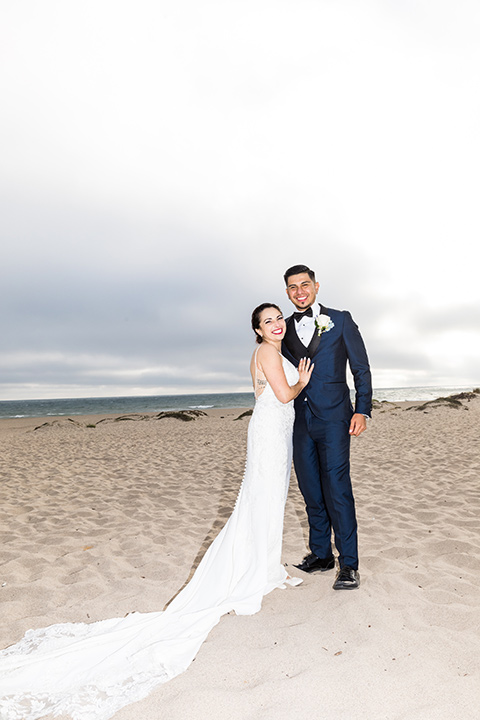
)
(90, 671)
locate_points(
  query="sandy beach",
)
(103, 516)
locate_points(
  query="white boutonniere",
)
(323, 323)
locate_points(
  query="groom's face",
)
(301, 290)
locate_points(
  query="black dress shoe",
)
(312, 563)
(347, 579)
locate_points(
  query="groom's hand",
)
(358, 424)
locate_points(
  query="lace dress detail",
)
(90, 671)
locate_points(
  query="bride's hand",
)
(305, 368)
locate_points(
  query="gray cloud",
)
(140, 228)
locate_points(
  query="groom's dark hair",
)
(296, 270)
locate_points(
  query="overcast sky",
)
(163, 163)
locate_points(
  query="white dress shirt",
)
(305, 327)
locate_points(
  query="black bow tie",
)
(299, 315)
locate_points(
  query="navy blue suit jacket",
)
(327, 393)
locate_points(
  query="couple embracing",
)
(89, 671)
(320, 342)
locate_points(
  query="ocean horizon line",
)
(123, 404)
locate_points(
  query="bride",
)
(90, 671)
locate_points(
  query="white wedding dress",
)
(90, 671)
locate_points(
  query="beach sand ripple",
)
(100, 521)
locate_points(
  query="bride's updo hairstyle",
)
(256, 318)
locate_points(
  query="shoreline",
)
(77, 407)
(89, 419)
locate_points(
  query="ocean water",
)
(122, 405)
(157, 403)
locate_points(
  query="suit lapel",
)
(293, 342)
(315, 341)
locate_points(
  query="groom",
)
(324, 422)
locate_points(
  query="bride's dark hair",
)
(256, 318)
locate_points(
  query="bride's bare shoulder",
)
(267, 353)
